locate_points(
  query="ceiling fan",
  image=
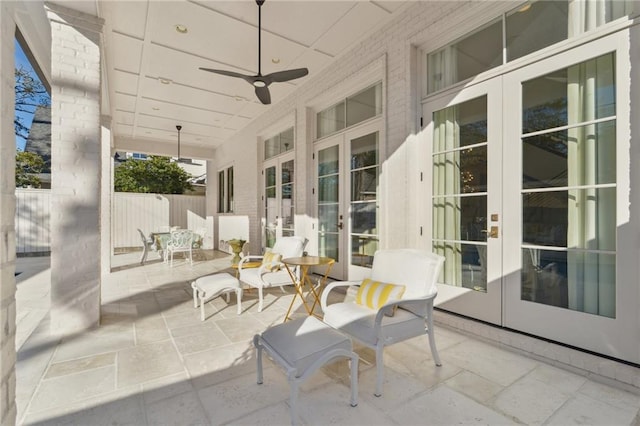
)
(259, 81)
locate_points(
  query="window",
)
(225, 190)
(350, 111)
(527, 29)
(569, 187)
(279, 144)
(138, 156)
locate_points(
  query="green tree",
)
(157, 175)
(28, 165)
(30, 94)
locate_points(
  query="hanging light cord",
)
(179, 127)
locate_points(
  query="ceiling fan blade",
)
(228, 73)
(263, 94)
(282, 76)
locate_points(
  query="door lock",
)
(491, 233)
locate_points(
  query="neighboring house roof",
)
(39, 140)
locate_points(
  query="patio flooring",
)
(153, 362)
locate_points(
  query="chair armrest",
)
(249, 258)
(331, 286)
(396, 303)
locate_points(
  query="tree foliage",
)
(28, 166)
(30, 94)
(157, 175)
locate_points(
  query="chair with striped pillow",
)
(393, 305)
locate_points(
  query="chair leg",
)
(293, 401)
(195, 294)
(354, 379)
(379, 369)
(239, 300)
(258, 345)
(432, 338)
(144, 255)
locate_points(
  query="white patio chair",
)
(272, 272)
(181, 242)
(418, 272)
(147, 244)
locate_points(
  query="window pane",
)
(328, 161)
(362, 250)
(364, 105)
(328, 245)
(230, 189)
(270, 176)
(221, 191)
(558, 99)
(364, 151)
(328, 217)
(580, 281)
(460, 125)
(328, 189)
(363, 218)
(465, 171)
(466, 264)
(287, 172)
(460, 218)
(364, 184)
(286, 140)
(536, 25)
(272, 147)
(476, 53)
(331, 120)
(577, 218)
(287, 206)
(584, 155)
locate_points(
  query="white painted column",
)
(106, 195)
(76, 168)
(7, 217)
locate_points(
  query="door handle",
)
(340, 225)
(492, 232)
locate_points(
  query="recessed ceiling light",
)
(275, 60)
(182, 29)
(164, 80)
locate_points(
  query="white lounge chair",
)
(418, 272)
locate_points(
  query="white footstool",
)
(301, 347)
(210, 286)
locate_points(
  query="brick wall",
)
(392, 46)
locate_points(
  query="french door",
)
(279, 206)
(529, 199)
(464, 212)
(347, 178)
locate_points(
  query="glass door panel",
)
(569, 279)
(464, 133)
(287, 205)
(329, 209)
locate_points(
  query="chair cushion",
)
(300, 342)
(374, 294)
(252, 277)
(270, 258)
(359, 321)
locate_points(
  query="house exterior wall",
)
(7, 214)
(399, 49)
(390, 48)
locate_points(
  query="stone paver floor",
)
(153, 362)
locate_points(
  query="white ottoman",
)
(301, 347)
(210, 286)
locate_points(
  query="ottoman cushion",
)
(212, 284)
(302, 341)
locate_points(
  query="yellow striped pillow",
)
(375, 294)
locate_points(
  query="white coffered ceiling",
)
(143, 49)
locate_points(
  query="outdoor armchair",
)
(389, 320)
(147, 244)
(272, 271)
(181, 242)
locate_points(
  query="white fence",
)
(130, 211)
(32, 221)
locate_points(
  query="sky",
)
(21, 59)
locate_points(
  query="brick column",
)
(76, 167)
(7, 217)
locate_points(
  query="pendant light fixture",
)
(179, 127)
